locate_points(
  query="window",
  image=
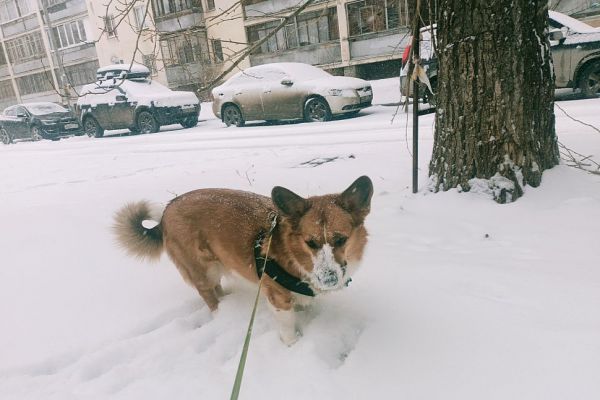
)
(6, 90)
(149, 60)
(305, 29)
(50, 3)
(25, 48)
(82, 74)
(164, 7)
(141, 19)
(68, 34)
(12, 9)
(2, 56)
(370, 16)
(185, 49)
(217, 50)
(109, 25)
(210, 4)
(41, 82)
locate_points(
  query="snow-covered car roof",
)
(123, 71)
(299, 70)
(572, 23)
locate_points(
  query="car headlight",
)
(48, 122)
(343, 92)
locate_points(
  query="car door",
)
(102, 102)
(280, 97)
(9, 120)
(246, 93)
(21, 124)
(121, 109)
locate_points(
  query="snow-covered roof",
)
(572, 23)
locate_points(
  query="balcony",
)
(387, 43)
(315, 54)
(20, 25)
(269, 7)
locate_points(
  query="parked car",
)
(36, 121)
(575, 51)
(134, 102)
(281, 91)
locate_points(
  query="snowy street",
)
(457, 298)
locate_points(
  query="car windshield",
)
(143, 87)
(278, 71)
(45, 108)
(304, 71)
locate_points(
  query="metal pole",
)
(415, 148)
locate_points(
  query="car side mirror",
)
(287, 82)
(557, 35)
(121, 98)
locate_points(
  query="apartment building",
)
(363, 38)
(125, 31)
(198, 39)
(45, 50)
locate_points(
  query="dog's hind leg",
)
(199, 273)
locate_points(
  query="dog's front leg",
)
(286, 321)
(281, 302)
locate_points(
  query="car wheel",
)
(589, 83)
(317, 110)
(189, 122)
(92, 128)
(5, 137)
(36, 133)
(233, 116)
(146, 123)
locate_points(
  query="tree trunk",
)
(495, 101)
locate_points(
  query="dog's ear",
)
(357, 198)
(289, 203)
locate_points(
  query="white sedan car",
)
(281, 91)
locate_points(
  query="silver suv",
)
(129, 99)
(575, 48)
(575, 54)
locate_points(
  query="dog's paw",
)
(289, 338)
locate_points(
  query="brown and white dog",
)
(316, 242)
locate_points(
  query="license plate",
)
(71, 126)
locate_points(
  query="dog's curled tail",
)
(137, 240)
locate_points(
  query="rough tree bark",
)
(495, 113)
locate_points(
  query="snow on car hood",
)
(171, 99)
(580, 38)
(337, 82)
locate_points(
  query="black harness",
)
(276, 272)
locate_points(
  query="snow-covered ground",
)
(458, 297)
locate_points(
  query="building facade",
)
(46, 51)
(363, 38)
(125, 31)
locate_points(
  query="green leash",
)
(240, 371)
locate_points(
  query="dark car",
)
(36, 121)
(128, 99)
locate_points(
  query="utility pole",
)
(415, 61)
